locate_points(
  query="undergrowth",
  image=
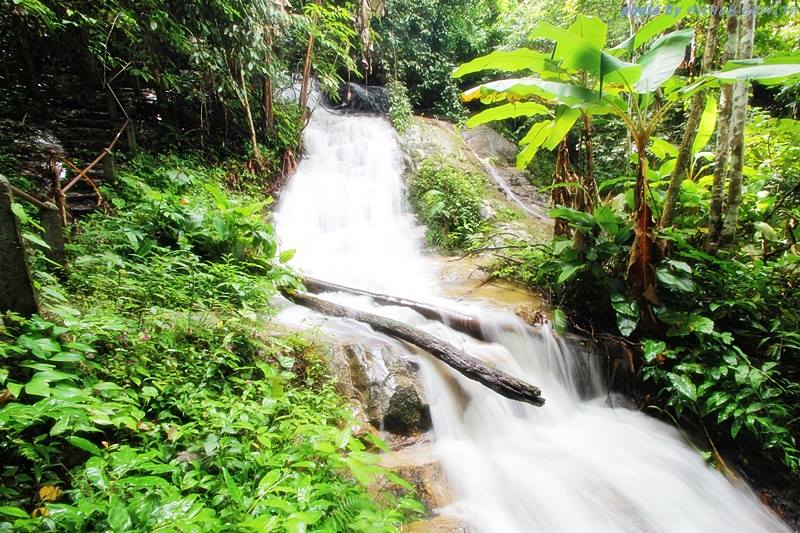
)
(151, 395)
(448, 201)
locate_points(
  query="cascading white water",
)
(577, 464)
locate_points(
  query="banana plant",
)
(581, 76)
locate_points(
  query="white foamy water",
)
(574, 465)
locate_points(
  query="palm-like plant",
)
(580, 76)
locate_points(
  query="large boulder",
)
(384, 383)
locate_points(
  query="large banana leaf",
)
(565, 119)
(507, 61)
(532, 141)
(521, 88)
(511, 110)
(776, 58)
(591, 29)
(656, 25)
(766, 74)
(549, 91)
(705, 128)
(661, 60)
(577, 53)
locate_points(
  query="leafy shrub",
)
(724, 344)
(399, 106)
(175, 424)
(161, 401)
(421, 41)
(448, 201)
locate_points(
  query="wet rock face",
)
(365, 98)
(406, 412)
(384, 384)
(487, 143)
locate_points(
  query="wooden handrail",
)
(25, 196)
(105, 152)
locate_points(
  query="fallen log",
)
(458, 321)
(471, 367)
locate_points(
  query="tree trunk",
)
(692, 122)
(250, 124)
(458, 321)
(722, 152)
(738, 123)
(305, 86)
(267, 113)
(469, 366)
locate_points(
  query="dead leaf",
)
(49, 493)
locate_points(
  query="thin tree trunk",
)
(250, 124)
(738, 122)
(722, 153)
(266, 105)
(305, 86)
(692, 122)
(469, 366)
(458, 321)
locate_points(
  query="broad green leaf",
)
(574, 216)
(532, 141)
(591, 29)
(38, 387)
(35, 239)
(16, 512)
(579, 54)
(521, 88)
(661, 148)
(652, 349)
(510, 110)
(766, 74)
(660, 61)
(683, 385)
(656, 25)
(506, 61)
(705, 129)
(568, 272)
(766, 231)
(20, 213)
(605, 218)
(95, 473)
(286, 255)
(233, 489)
(118, 517)
(565, 119)
(679, 283)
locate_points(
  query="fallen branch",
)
(458, 321)
(469, 366)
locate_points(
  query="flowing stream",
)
(578, 464)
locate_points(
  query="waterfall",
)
(578, 463)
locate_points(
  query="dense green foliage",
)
(716, 320)
(448, 201)
(212, 74)
(420, 42)
(155, 396)
(400, 112)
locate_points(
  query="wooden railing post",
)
(16, 288)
